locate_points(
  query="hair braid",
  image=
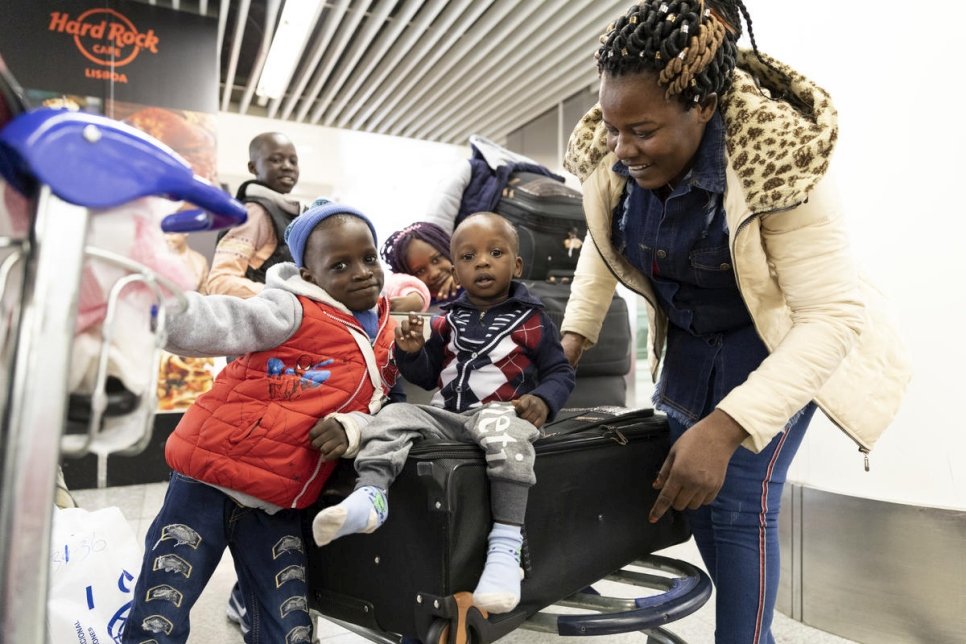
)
(690, 44)
(682, 69)
(394, 249)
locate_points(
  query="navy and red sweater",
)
(476, 357)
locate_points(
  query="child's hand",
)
(532, 408)
(328, 436)
(409, 334)
(448, 289)
(406, 303)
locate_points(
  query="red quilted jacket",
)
(250, 432)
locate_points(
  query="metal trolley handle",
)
(69, 164)
(684, 592)
(96, 162)
(454, 619)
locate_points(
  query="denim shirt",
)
(681, 245)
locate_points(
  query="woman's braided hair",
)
(394, 249)
(690, 44)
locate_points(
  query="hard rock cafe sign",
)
(106, 38)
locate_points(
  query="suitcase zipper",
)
(615, 435)
(436, 449)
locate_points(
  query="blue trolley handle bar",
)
(97, 162)
(684, 595)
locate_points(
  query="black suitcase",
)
(549, 218)
(586, 517)
(613, 353)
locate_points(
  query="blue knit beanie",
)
(297, 233)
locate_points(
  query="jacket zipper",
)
(862, 448)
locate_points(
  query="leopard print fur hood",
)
(779, 147)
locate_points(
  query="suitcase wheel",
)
(465, 625)
(438, 632)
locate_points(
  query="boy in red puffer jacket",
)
(314, 344)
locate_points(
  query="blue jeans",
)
(184, 545)
(737, 535)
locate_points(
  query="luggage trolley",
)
(68, 165)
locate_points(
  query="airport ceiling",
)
(436, 70)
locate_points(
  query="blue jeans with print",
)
(737, 535)
(184, 545)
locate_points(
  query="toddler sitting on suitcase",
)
(250, 452)
(496, 357)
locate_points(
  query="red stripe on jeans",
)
(761, 536)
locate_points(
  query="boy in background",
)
(245, 253)
(251, 452)
(497, 361)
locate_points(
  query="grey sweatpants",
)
(505, 438)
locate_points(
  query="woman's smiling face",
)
(655, 137)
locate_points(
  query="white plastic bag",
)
(94, 562)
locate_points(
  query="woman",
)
(703, 174)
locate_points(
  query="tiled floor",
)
(140, 503)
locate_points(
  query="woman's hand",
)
(409, 334)
(328, 436)
(573, 347)
(695, 468)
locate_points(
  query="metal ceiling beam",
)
(332, 20)
(510, 52)
(579, 34)
(222, 21)
(556, 95)
(492, 26)
(354, 17)
(541, 97)
(376, 56)
(473, 13)
(360, 44)
(271, 24)
(452, 12)
(401, 52)
(236, 42)
(534, 92)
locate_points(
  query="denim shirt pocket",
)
(712, 267)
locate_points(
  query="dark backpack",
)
(280, 221)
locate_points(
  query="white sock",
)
(498, 590)
(362, 511)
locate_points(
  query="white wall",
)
(895, 75)
(388, 178)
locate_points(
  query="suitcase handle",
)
(572, 421)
